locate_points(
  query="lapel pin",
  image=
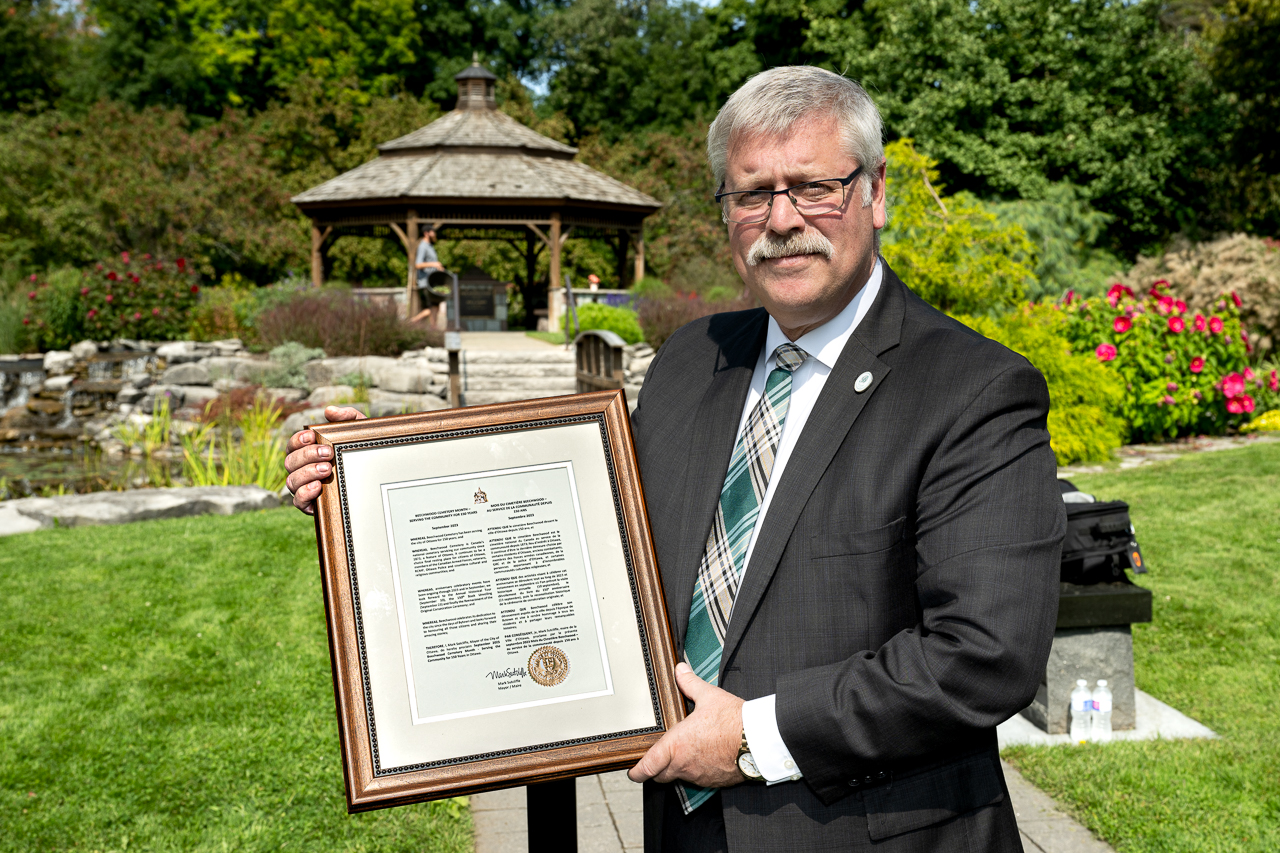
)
(862, 383)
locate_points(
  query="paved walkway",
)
(504, 342)
(609, 821)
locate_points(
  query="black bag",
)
(1100, 543)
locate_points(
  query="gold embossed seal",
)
(548, 666)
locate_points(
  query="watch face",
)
(747, 764)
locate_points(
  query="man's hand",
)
(308, 462)
(702, 748)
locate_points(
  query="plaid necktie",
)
(722, 562)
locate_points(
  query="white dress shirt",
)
(824, 345)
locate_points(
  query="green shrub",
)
(620, 321)
(142, 298)
(651, 288)
(287, 360)
(1084, 396)
(950, 250)
(231, 309)
(1185, 373)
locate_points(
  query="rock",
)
(328, 371)
(390, 403)
(404, 377)
(45, 407)
(27, 514)
(129, 394)
(225, 367)
(288, 395)
(187, 374)
(181, 352)
(84, 350)
(58, 384)
(173, 392)
(129, 345)
(254, 370)
(58, 361)
(197, 395)
(303, 419)
(328, 395)
(230, 346)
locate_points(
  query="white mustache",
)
(808, 242)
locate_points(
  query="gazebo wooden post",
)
(620, 256)
(555, 254)
(317, 253)
(639, 235)
(411, 305)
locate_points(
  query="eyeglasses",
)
(812, 198)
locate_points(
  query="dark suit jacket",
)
(903, 590)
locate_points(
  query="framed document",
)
(494, 609)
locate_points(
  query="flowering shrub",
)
(660, 316)
(141, 298)
(1185, 372)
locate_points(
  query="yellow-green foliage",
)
(1266, 422)
(1084, 395)
(950, 249)
(244, 450)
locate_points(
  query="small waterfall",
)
(68, 419)
(27, 380)
(99, 371)
(135, 368)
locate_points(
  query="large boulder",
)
(328, 395)
(406, 377)
(187, 374)
(84, 350)
(391, 403)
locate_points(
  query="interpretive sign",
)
(495, 615)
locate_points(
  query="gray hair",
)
(773, 101)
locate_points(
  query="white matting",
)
(1154, 719)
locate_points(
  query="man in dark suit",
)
(855, 512)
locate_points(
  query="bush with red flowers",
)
(130, 296)
(1184, 372)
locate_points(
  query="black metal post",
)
(553, 817)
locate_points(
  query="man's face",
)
(803, 291)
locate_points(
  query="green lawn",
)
(165, 686)
(1209, 526)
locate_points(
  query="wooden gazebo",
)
(476, 173)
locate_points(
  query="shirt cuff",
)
(760, 724)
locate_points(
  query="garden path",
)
(609, 818)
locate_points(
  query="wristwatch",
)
(747, 762)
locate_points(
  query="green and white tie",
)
(722, 563)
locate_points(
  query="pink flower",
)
(155, 312)
(1171, 387)
(1240, 405)
(1197, 395)
(146, 256)
(1200, 324)
(1215, 325)
(1197, 364)
(84, 291)
(1168, 401)
(124, 257)
(93, 312)
(1236, 299)
(182, 263)
(1122, 325)
(33, 277)
(1232, 385)
(31, 295)
(1116, 292)
(1105, 352)
(1176, 325)
(1248, 374)
(1157, 286)
(1274, 383)
(111, 276)
(1071, 294)
(1165, 305)
(26, 321)
(1180, 307)
(110, 297)
(195, 288)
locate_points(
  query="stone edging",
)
(28, 514)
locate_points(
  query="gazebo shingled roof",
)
(477, 171)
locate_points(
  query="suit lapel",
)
(713, 433)
(833, 415)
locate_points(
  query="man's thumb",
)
(690, 684)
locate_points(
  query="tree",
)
(33, 49)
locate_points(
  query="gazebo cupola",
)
(475, 87)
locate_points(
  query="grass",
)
(165, 686)
(549, 337)
(1209, 525)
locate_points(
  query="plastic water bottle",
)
(1101, 730)
(1081, 712)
